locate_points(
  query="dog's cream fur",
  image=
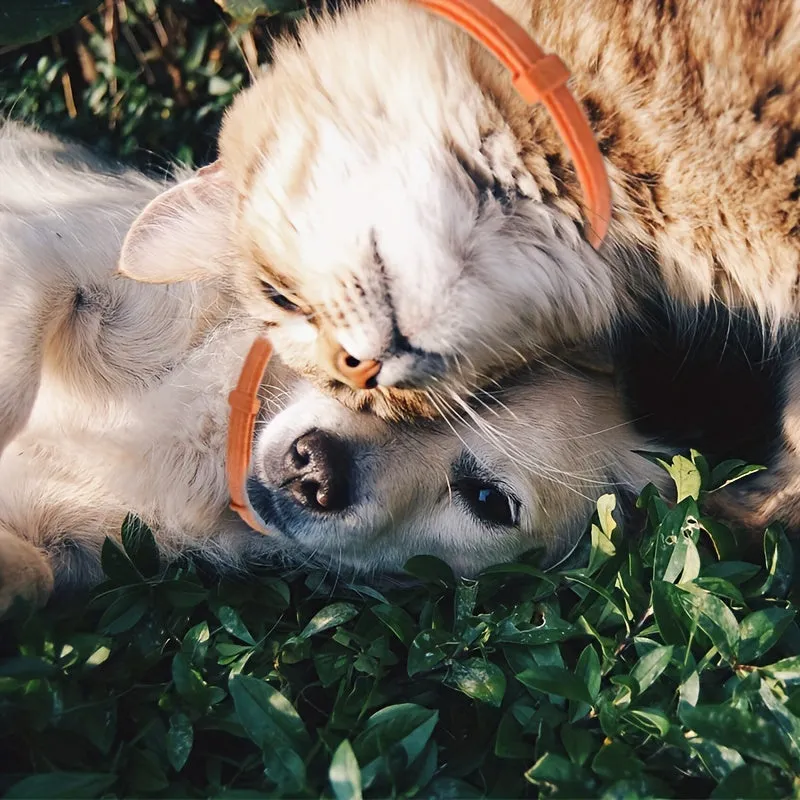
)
(113, 398)
(384, 176)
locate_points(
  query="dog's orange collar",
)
(244, 410)
(538, 78)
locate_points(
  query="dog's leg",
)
(31, 299)
(25, 572)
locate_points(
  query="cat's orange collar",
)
(538, 78)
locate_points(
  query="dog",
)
(116, 397)
(114, 401)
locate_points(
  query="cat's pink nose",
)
(357, 374)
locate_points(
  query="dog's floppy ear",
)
(184, 233)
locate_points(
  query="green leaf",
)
(245, 12)
(285, 767)
(180, 737)
(195, 643)
(719, 761)
(26, 668)
(729, 472)
(397, 620)
(444, 788)
(615, 760)
(268, 717)
(466, 596)
(742, 731)
(560, 777)
(686, 477)
(760, 631)
(32, 21)
(344, 774)
(428, 650)
(677, 529)
(140, 545)
(787, 670)
(509, 742)
(430, 570)
(587, 669)
(669, 612)
(650, 720)
(602, 545)
(779, 561)
(183, 594)
(721, 588)
(116, 564)
(557, 681)
(737, 572)
(330, 616)
(188, 682)
(579, 743)
(125, 611)
(232, 623)
(649, 667)
(479, 679)
(715, 619)
(785, 720)
(64, 785)
(406, 727)
(748, 782)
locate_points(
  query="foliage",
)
(668, 665)
(145, 80)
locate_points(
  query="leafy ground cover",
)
(660, 662)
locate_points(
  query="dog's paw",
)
(26, 577)
(755, 503)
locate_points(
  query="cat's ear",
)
(184, 233)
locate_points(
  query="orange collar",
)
(538, 78)
(245, 405)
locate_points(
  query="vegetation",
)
(144, 80)
(662, 660)
(666, 666)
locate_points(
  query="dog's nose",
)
(316, 472)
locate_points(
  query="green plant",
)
(144, 80)
(667, 665)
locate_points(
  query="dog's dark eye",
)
(488, 503)
(271, 293)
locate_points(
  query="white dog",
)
(113, 399)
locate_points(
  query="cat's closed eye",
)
(280, 300)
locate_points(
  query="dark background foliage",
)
(147, 80)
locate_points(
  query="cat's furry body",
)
(384, 177)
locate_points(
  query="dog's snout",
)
(316, 469)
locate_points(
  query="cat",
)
(411, 230)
